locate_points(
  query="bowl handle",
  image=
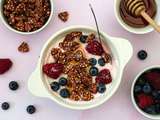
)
(124, 49)
(36, 86)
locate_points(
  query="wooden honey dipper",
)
(137, 8)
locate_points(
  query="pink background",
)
(118, 107)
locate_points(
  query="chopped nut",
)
(107, 57)
(24, 47)
(91, 37)
(63, 16)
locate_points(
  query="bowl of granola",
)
(26, 16)
(79, 70)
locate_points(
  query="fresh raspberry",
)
(104, 77)
(95, 48)
(144, 100)
(53, 70)
(5, 65)
(154, 79)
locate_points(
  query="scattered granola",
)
(24, 47)
(64, 16)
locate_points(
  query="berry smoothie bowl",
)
(79, 71)
(145, 92)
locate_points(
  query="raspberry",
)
(53, 70)
(154, 79)
(95, 48)
(144, 100)
(5, 65)
(104, 77)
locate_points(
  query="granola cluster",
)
(26, 15)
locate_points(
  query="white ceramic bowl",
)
(121, 50)
(144, 30)
(24, 33)
(154, 117)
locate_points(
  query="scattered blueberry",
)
(63, 81)
(101, 62)
(137, 88)
(13, 85)
(55, 86)
(156, 95)
(64, 93)
(83, 38)
(31, 109)
(151, 110)
(5, 106)
(101, 88)
(93, 61)
(93, 71)
(147, 88)
(142, 54)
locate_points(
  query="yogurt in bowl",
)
(96, 85)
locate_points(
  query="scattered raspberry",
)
(53, 70)
(63, 16)
(104, 77)
(24, 47)
(5, 65)
(95, 48)
(144, 100)
(154, 79)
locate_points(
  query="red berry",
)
(154, 79)
(5, 65)
(95, 48)
(53, 70)
(104, 77)
(144, 100)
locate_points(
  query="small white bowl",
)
(121, 50)
(143, 30)
(25, 33)
(154, 117)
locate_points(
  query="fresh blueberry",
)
(137, 88)
(55, 86)
(147, 88)
(13, 85)
(101, 88)
(63, 81)
(151, 110)
(93, 61)
(31, 109)
(93, 71)
(64, 93)
(101, 62)
(156, 95)
(142, 54)
(83, 38)
(5, 106)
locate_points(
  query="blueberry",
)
(5, 106)
(101, 88)
(156, 95)
(93, 61)
(101, 62)
(13, 85)
(147, 88)
(63, 81)
(64, 93)
(93, 71)
(55, 86)
(31, 109)
(151, 110)
(142, 54)
(83, 38)
(137, 88)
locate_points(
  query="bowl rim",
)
(143, 30)
(155, 117)
(26, 33)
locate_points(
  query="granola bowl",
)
(26, 17)
(86, 87)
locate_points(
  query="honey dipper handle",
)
(150, 21)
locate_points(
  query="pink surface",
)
(118, 107)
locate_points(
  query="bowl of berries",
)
(79, 69)
(145, 92)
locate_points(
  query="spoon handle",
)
(150, 21)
